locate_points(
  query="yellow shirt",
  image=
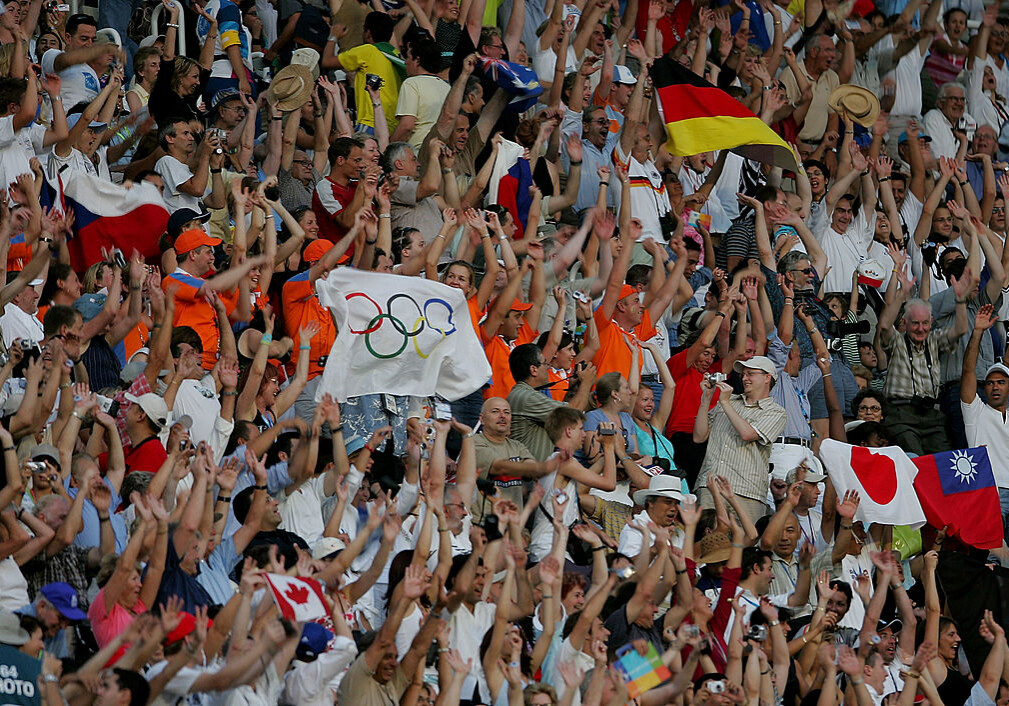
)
(367, 59)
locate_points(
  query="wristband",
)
(229, 393)
(224, 498)
(604, 183)
(882, 179)
(304, 348)
(856, 683)
(599, 549)
(844, 526)
(865, 173)
(103, 519)
(573, 163)
(720, 313)
(678, 571)
(277, 117)
(963, 183)
(370, 242)
(446, 171)
(173, 25)
(9, 448)
(336, 430)
(51, 678)
(58, 98)
(266, 339)
(826, 375)
(385, 215)
(259, 487)
(368, 446)
(215, 171)
(774, 623)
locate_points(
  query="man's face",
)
(202, 259)
(953, 103)
(810, 494)
(756, 382)
(387, 666)
(996, 40)
(497, 415)
(184, 141)
(461, 133)
(899, 189)
(985, 140)
(887, 646)
(351, 166)
(664, 511)
(597, 40)
(789, 538)
(918, 322)
(301, 167)
(494, 48)
(998, 215)
(511, 324)
(83, 36)
(27, 300)
(824, 54)
(56, 514)
(764, 575)
(475, 99)
(52, 620)
(408, 164)
(996, 387)
(109, 693)
(841, 218)
(195, 355)
(632, 309)
(231, 112)
(596, 129)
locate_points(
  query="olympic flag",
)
(402, 335)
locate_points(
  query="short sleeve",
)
(406, 194)
(409, 100)
(591, 421)
(351, 60)
(770, 424)
(49, 60)
(539, 406)
(7, 135)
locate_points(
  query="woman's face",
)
(870, 410)
(702, 604)
(574, 600)
(458, 277)
(269, 388)
(131, 594)
(71, 285)
(149, 71)
(563, 358)
(513, 639)
(644, 407)
(749, 64)
(949, 642)
(310, 225)
(882, 227)
(998, 215)
(189, 82)
(942, 222)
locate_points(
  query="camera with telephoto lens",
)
(374, 81)
(839, 329)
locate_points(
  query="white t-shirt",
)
(986, 426)
(422, 98)
(845, 251)
(906, 74)
(301, 511)
(174, 173)
(467, 631)
(80, 81)
(545, 63)
(649, 199)
(15, 323)
(17, 149)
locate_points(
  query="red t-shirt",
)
(148, 455)
(328, 201)
(687, 397)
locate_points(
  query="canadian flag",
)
(299, 599)
(884, 479)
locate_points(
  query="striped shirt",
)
(744, 463)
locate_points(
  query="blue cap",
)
(63, 596)
(72, 120)
(353, 444)
(90, 305)
(223, 95)
(902, 137)
(314, 639)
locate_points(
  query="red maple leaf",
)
(297, 594)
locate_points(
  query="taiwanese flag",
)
(957, 489)
(106, 215)
(509, 184)
(700, 117)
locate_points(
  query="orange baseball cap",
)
(192, 239)
(519, 305)
(316, 249)
(627, 290)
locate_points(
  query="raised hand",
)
(848, 506)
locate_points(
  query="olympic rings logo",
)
(434, 314)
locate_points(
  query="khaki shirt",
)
(815, 123)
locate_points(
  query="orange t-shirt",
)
(559, 390)
(497, 350)
(301, 305)
(614, 354)
(194, 311)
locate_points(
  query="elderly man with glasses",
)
(949, 116)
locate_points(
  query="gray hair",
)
(790, 259)
(945, 88)
(916, 303)
(393, 153)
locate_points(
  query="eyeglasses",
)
(494, 46)
(958, 99)
(998, 209)
(805, 270)
(869, 408)
(598, 121)
(306, 162)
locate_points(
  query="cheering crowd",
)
(643, 502)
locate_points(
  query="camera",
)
(692, 631)
(374, 81)
(757, 632)
(118, 259)
(714, 378)
(607, 431)
(25, 344)
(716, 687)
(272, 193)
(4, 359)
(104, 403)
(36, 466)
(624, 573)
(561, 496)
(582, 296)
(839, 329)
(491, 528)
(486, 487)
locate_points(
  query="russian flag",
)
(957, 490)
(106, 215)
(509, 184)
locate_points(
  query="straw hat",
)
(292, 87)
(861, 105)
(306, 56)
(715, 547)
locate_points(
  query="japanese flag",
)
(299, 599)
(884, 479)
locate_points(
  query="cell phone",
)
(607, 432)
(442, 411)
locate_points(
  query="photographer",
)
(739, 432)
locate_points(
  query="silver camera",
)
(716, 687)
(714, 378)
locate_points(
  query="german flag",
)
(700, 118)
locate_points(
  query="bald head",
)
(496, 418)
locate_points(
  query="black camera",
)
(272, 193)
(491, 528)
(839, 329)
(374, 81)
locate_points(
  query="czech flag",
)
(700, 117)
(509, 184)
(957, 489)
(106, 215)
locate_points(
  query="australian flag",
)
(957, 490)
